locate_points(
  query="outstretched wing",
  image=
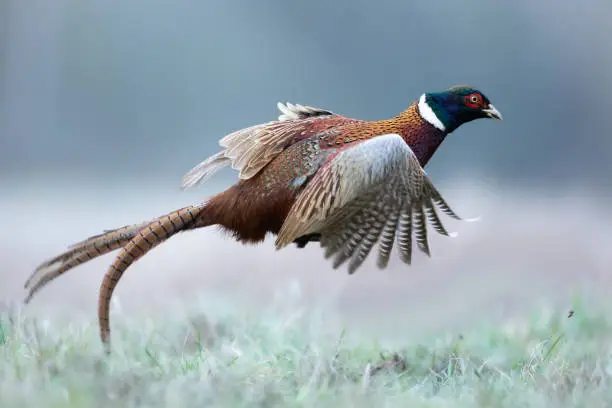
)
(251, 149)
(368, 192)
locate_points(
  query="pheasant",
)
(310, 176)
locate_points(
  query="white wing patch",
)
(250, 149)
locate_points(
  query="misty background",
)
(105, 105)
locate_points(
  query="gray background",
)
(105, 104)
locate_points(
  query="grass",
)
(550, 361)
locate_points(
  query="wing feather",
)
(367, 243)
(404, 239)
(368, 192)
(387, 238)
(356, 238)
(251, 149)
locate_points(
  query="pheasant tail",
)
(142, 242)
(78, 254)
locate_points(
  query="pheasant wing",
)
(367, 192)
(251, 149)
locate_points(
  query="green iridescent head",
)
(449, 109)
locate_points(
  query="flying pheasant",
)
(310, 176)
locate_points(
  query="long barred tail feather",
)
(78, 254)
(144, 240)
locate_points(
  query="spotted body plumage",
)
(310, 176)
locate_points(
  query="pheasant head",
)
(449, 109)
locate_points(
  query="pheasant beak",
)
(493, 113)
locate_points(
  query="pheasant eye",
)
(473, 101)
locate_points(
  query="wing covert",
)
(251, 149)
(368, 192)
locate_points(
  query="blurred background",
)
(105, 105)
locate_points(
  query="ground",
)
(483, 322)
(236, 361)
